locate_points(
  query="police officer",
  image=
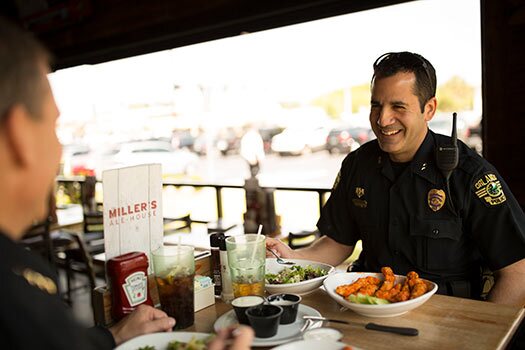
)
(392, 195)
(32, 316)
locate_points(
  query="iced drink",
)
(247, 258)
(174, 272)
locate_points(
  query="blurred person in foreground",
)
(391, 195)
(32, 315)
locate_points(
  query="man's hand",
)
(145, 319)
(280, 249)
(232, 338)
(324, 250)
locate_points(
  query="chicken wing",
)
(404, 293)
(347, 289)
(368, 289)
(390, 279)
(420, 287)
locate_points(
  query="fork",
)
(279, 260)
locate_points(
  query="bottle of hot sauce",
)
(128, 278)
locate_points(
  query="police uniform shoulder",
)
(363, 157)
(471, 162)
(486, 183)
(368, 151)
(17, 264)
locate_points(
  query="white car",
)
(174, 162)
(300, 140)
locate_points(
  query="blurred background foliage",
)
(454, 95)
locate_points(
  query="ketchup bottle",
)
(128, 278)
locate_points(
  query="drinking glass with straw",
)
(247, 260)
(259, 230)
(174, 268)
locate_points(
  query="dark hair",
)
(21, 60)
(392, 63)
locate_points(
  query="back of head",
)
(22, 60)
(392, 63)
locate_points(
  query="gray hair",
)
(22, 59)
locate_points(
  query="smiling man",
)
(391, 194)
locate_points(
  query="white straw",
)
(255, 245)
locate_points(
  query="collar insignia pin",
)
(40, 281)
(436, 199)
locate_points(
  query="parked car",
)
(70, 153)
(181, 139)
(226, 141)
(300, 140)
(442, 124)
(345, 139)
(267, 133)
(174, 162)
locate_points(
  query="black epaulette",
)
(469, 161)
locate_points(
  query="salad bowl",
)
(303, 277)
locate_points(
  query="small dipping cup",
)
(289, 303)
(241, 304)
(264, 319)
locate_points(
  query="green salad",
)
(295, 274)
(193, 344)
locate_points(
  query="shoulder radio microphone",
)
(447, 158)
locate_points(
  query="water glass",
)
(247, 260)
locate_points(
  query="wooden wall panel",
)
(503, 59)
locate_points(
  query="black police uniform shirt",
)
(32, 315)
(406, 223)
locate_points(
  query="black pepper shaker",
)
(216, 262)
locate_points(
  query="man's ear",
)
(430, 109)
(19, 133)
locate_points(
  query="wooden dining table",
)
(443, 322)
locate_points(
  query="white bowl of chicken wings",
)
(379, 294)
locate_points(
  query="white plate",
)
(160, 340)
(385, 310)
(304, 287)
(285, 333)
(314, 345)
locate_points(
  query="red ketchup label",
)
(128, 275)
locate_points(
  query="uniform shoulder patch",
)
(488, 189)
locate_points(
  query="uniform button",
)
(435, 232)
(395, 222)
(396, 252)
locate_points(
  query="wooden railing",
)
(321, 192)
